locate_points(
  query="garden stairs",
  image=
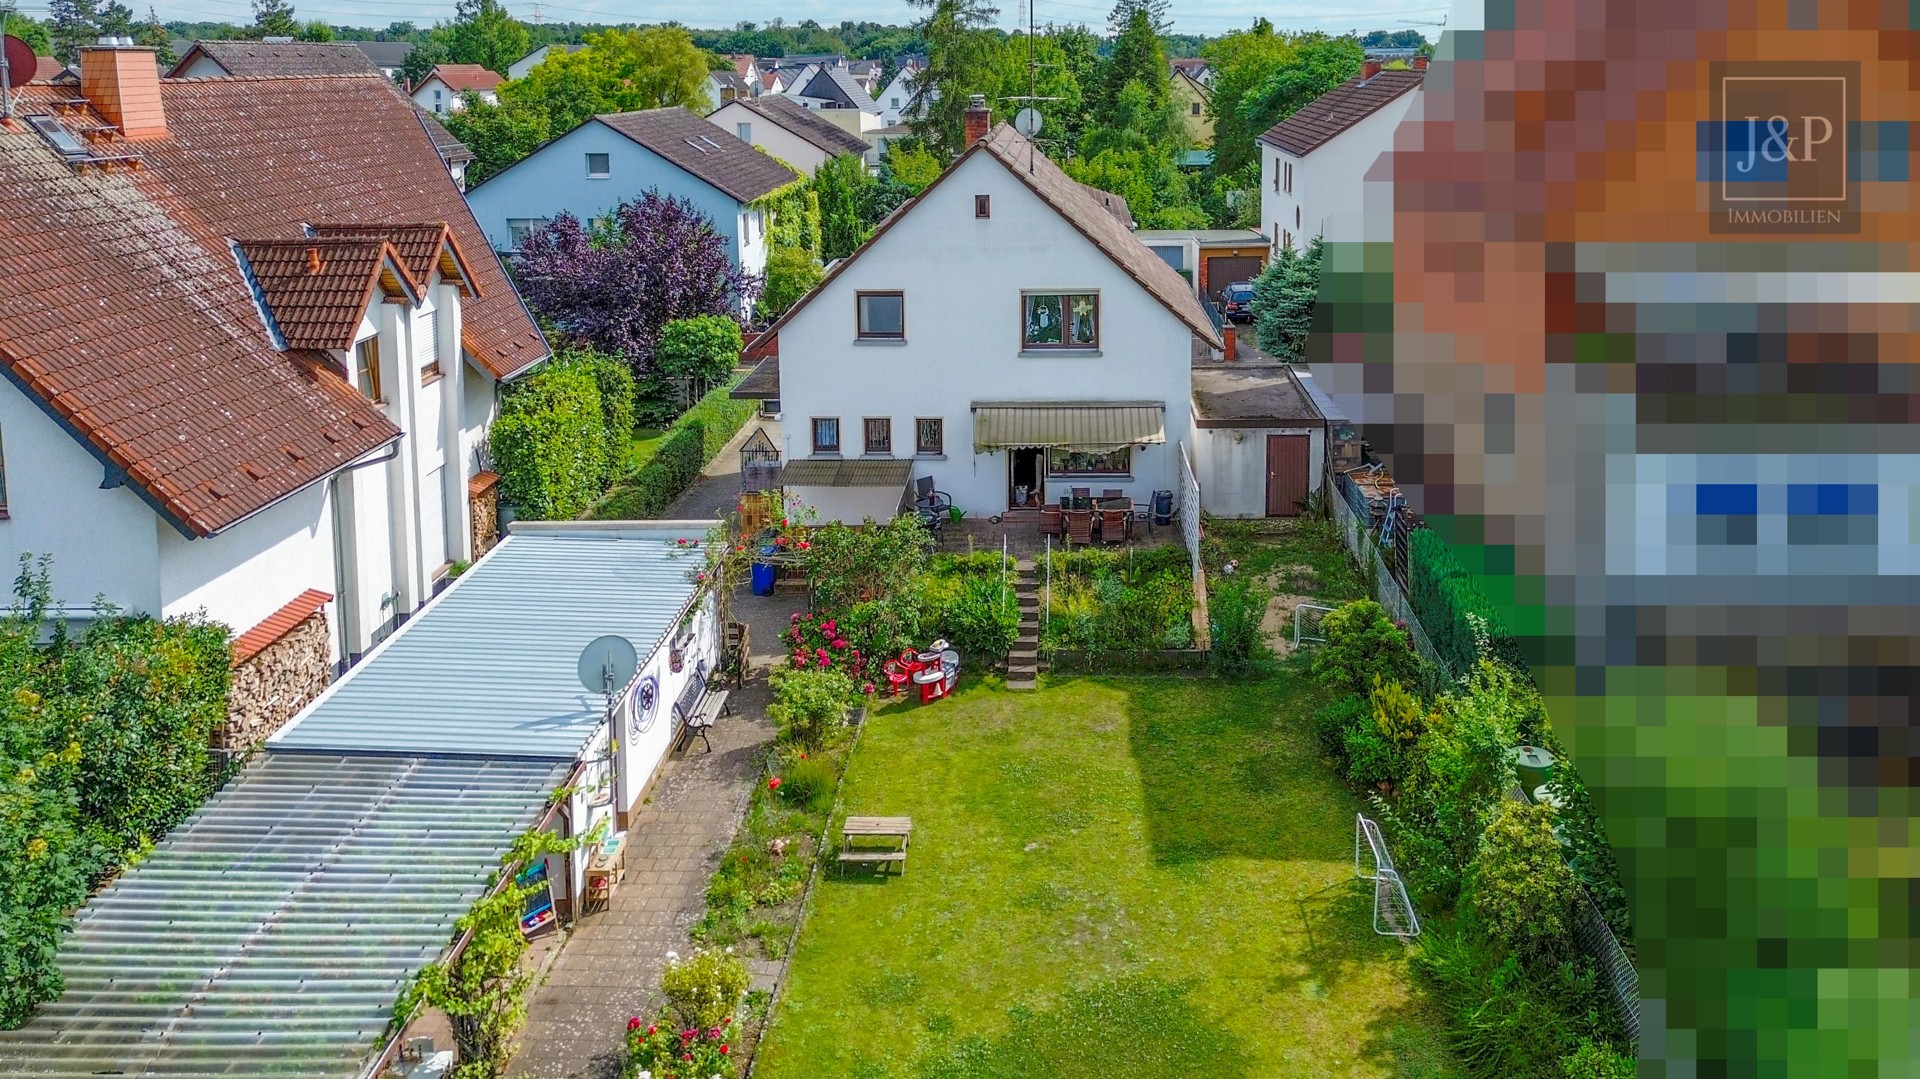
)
(1023, 661)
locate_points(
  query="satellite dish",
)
(608, 663)
(21, 63)
(1027, 122)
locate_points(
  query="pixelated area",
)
(1681, 451)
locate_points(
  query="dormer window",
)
(366, 367)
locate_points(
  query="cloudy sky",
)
(1190, 16)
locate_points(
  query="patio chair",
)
(1112, 492)
(1113, 525)
(1079, 526)
(1050, 520)
(931, 505)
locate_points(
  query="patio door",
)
(1027, 475)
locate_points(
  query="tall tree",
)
(483, 33)
(498, 135)
(1319, 64)
(617, 71)
(1241, 60)
(32, 31)
(961, 58)
(1138, 56)
(841, 184)
(154, 36)
(75, 23)
(315, 30)
(423, 58)
(1124, 10)
(1050, 78)
(115, 19)
(274, 18)
(1283, 299)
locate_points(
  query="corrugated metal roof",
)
(489, 668)
(1088, 426)
(805, 473)
(270, 933)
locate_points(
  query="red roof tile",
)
(278, 624)
(317, 290)
(46, 69)
(465, 78)
(1339, 109)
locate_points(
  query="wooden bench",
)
(898, 828)
(698, 707)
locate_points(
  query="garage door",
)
(1227, 269)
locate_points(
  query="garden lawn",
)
(1109, 877)
(640, 448)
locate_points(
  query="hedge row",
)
(561, 433)
(693, 440)
(1443, 593)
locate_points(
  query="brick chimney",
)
(1369, 68)
(1419, 63)
(122, 82)
(1230, 338)
(979, 118)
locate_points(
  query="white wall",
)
(850, 504)
(962, 278)
(449, 100)
(642, 752)
(203, 67)
(1233, 474)
(254, 568)
(769, 136)
(103, 543)
(899, 90)
(1327, 189)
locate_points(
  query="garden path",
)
(717, 491)
(609, 968)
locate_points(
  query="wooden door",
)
(1287, 474)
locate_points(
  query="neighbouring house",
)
(772, 81)
(1003, 334)
(882, 137)
(617, 157)
(220, 59)
(1194, 67)
(254, 384)
(782, 128)
(445, 88)
(1210, 259)
(1259, 438)
(520, 68)
(724, 85)
(388, 56)
(1195, 103)
(867, 73)
(46, 69)
(1312, 163)
(824, 87)
(896, 101)
(749, 70)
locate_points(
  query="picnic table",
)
(899, 829)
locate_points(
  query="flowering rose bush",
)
(704, 990)
(665, 1050)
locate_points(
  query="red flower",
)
(634, 1024)
(841, 644)
(651, 1030)
(687, 1056)
(803, 756)
(804, 545)
(773, 784)
(868, 688)
(723, 1050)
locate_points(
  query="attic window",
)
(599, 166)
(695, 145)
(49, 128)
(983, 206)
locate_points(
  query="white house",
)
(618, 157)
(822, 86)
(227, 390)
(519, 68)
(1004, 335)
(896, 100)
(1312, 163)
(782, 128)
(445, 88)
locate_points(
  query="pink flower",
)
(840, 644)
(634, 1024)
(795, 618)
(714, 1033)
(821, 652)
(868, 688)
(799, 659)
(827, 626)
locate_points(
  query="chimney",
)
(1229, 337)
(979, 118)
(1369, 68)
(122, 83)
(1419, 63)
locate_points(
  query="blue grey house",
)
(616, 157)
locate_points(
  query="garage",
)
(1224, 270)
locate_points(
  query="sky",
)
(1189, 16)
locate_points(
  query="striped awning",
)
(1067, 424)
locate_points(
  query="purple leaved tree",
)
(663, 261)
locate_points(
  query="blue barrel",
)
(1162, 507)
(763, 574)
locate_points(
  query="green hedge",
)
(1443, 593)
(693, 440)
(560, 433)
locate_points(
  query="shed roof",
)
(271, 932)
(489, 667)
(855, 473)
(705, 151)
(1085, 425)
(1250, 395)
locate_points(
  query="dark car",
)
(1236, 302)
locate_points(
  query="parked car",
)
(1236, 302)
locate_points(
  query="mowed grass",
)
(1111, 876)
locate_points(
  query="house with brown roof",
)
(251, 342)
(617, 157)
(781, 127)
(1312, 164)
(1004, 335)
(446, 87)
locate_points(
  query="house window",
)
(366, 367)
(1060, 319)
(1296, 217)
(745, 131)
(879, 436)
(893, 103)
(1088, 463)
(519, 227)
(930, 436)
(883, 315)
(1286, 238)
(983, 206)
(1196, 108)
(826, 434)
(598, 167)
(1288, 166)
(1820, 514)
(430, 374)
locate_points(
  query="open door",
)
(1026, 485)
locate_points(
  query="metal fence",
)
(1388, 589)
(1190, 532)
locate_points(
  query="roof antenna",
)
(1029, 121)
(7, 59)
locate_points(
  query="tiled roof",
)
(800, 120)
(278, 624)
(423, 248)
(1115, 205)
(704, 150)
(465, 78)
(317, 290)
(126, 315)
(1339, 109)
(280, 58)
(385, 53)
(46, 69)
(445, 143)
(730, 80)
(837, 84)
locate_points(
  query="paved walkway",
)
(717, 491)
(610, 966)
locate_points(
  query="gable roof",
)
(385, 54)
(837, 84)
(1070, 199)
(128, 318)
(703, 150)
(1333, 112)
(465, 78)
(1198, 87)
(800, 120)
(424, 249)
(728, 79)
(46, 69)
(245, 58)
(316, 290)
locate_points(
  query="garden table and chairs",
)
(899, 830)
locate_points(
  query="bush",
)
(693, 440)
(1598, 1060)
(550, 443)
(704, 991)
(1106, 601)
(1519, 887)
(614, 379)
(1371, 759)
(982, 622)
(702, 350)
(1362, 645)
(1237, 608)
(1503, 1020)
(808, 782)
(807, 703)
(791, 274)
(1336, 718)
(664, 1049)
